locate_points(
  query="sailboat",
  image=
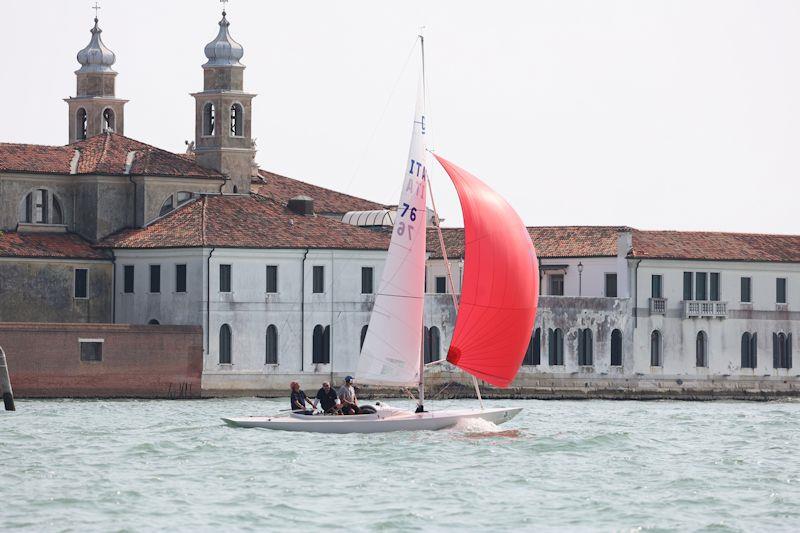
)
(500, 291)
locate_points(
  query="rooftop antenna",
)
(96, 8)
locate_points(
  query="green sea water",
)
(559, 466)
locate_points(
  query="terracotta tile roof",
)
(712, 246)
(35, 158)
(47, 245)
(326, 201)
(105, 154)
(254, 221)
(550, 241)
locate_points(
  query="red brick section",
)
(282, 188)
(550, 241)
(137, 361)
(105, 154)
(51, 245)
(711, 246)
(235, 221)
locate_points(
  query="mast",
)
(421, 387)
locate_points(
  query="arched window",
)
(616, 348)
(237, 120)
(533, 353)
(109, 120)
(153, 322)
(433, 342)
(81, 125)
(225, 342)
(363, 336)
(272, 345)
(749, 350)
(585, 348)
(701, 349)
(555, 342)
(655, 348)
(321, 345)
(167, 206)
(208, 119)
(41, 207)
(781, 350)
(235, 189)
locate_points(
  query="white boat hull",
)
(381, 422)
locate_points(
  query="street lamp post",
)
(580, 278)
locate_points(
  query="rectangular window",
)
(700, 286)
(180, 278)
(611, 285)
(557, 284)
(81, 283)
(687, 286)
(225, 278)
(319, 279)
(127, 278)
(656, 287)
(272, 278)
(746, 290)
(780, 290)
(441, 285)
(714, 286)
(91, 349)
(155, 278)
(366, 280)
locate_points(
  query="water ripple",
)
(70, 465)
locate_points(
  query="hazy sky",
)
(653, 114)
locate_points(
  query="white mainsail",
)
(391, 351)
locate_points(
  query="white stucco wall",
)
(724, 334)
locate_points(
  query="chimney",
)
(302, 205)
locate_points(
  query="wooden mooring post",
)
(5, 383)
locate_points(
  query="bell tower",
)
(223, 111)
(95, 108)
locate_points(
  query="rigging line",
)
(380, 118)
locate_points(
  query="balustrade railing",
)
(658, 306)
(704, 309)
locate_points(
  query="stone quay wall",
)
(49, 361)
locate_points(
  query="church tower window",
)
(237, 120)
(108, 119)
(81, 125)
(208, 119)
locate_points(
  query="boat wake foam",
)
(476, 428)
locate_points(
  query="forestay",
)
(391, 351)
(500, 287)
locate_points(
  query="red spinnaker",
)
(500, 289)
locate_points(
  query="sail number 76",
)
(413, 215)
(402, 227)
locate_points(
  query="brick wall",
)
(44, 360)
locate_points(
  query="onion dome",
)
(96, 57)
(223, 51)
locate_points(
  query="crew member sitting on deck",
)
(327, 398)
(347, 395)
(299, 399)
